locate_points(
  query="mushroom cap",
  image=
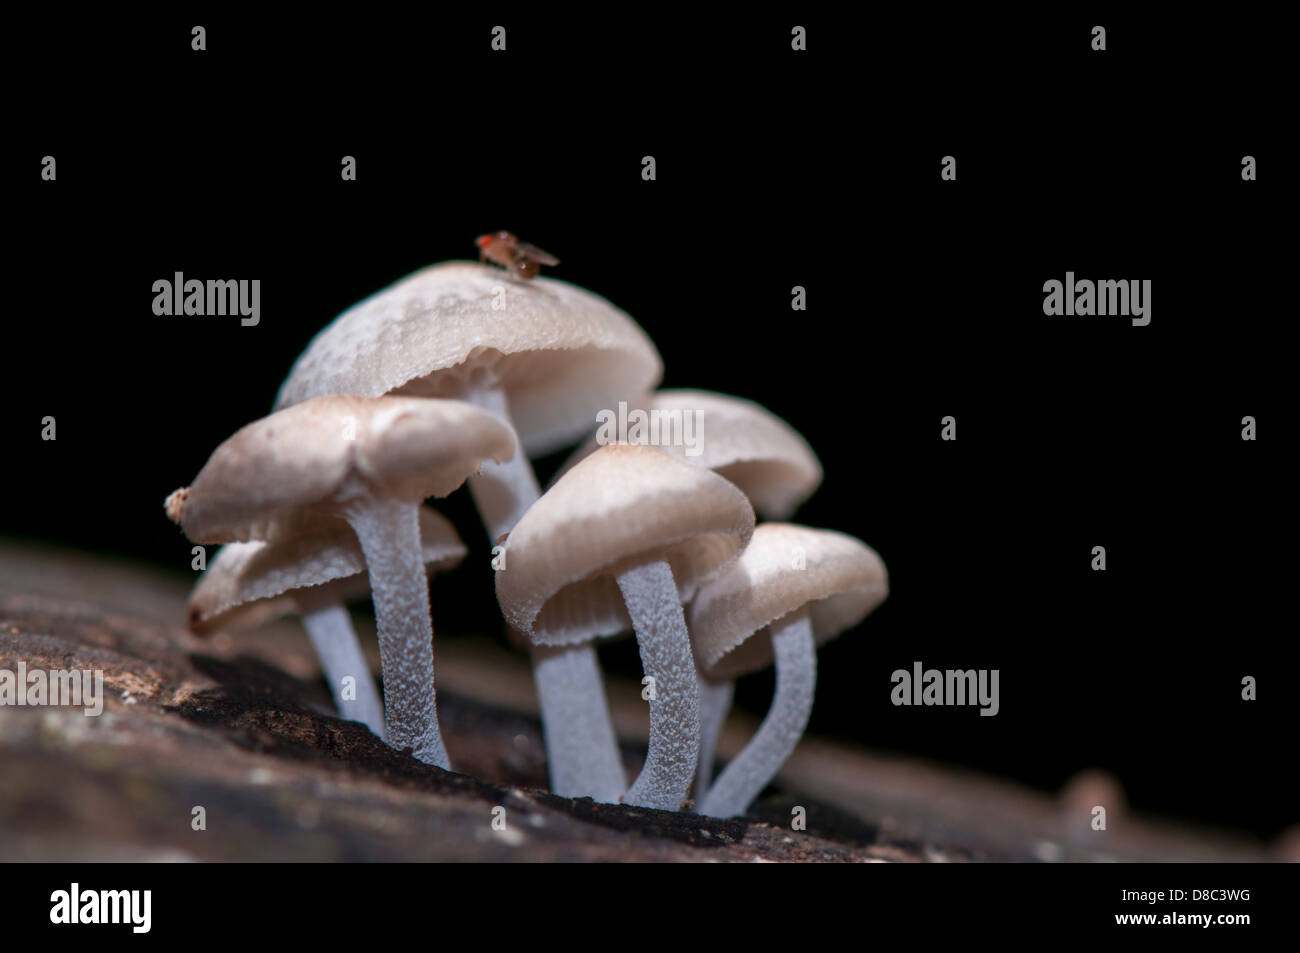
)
(843, 580)
(620, 507)
(740, 440)
(560, 352)
(250, 583)
(301, 464)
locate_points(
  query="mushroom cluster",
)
(454, 376)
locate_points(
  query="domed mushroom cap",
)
(738, 439)
(561, 353)
(302, 463)
(842, 581)
(621, 506)
(250, 583)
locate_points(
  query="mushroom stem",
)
(329, 627)
(758, 762)
(502, 491)
(581, 748)
(389, 533)
(576, 725)
(715, 702)
(652, 603)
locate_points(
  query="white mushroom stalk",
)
(311, 570)
(715, 703)
(389, 533)
(790, 590)
(581, 747)
(329, 627)
(582, 755)
(618, 544)
(502, 491)
(369, 461)
(758, 762)
(555, 353)
(650, 595)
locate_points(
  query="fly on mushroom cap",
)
(312, 576)
(737, 439)
(620, 542)
(521, 258)
(558, 352)
(544, 356)
(370, 461)
(792, 589)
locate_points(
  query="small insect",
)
(509, 252)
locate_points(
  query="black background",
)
(774, 169)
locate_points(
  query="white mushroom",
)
(311, 575)
(542, 355)
(620, 543)
(792, 589)
(735, 438)
(369, 461)
(754, 449)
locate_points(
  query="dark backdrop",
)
(774, 169)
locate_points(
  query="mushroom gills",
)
(650, 595)
(389, 533)
(581, 748)
(759, 761)
(329, 627)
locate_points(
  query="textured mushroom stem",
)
(389, 533)
(715, 702)
(758, 762)
(581, 748)
(338, 649)
(651, 599)
(503, 492)
(576, 725)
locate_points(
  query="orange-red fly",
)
(521, 258)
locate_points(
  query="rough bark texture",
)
(240, 726)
